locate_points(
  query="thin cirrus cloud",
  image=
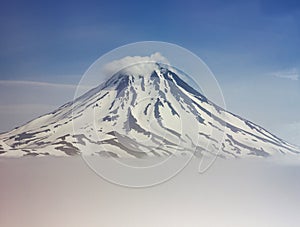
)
(291, 74)
(22, 101)
(35, 84)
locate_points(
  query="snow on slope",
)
(140, 112)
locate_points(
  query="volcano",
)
(140, 113)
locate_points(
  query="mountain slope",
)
(139, 113)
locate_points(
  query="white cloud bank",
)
(232, 193)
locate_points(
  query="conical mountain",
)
(140, 113)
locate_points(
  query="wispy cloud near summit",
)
(133, 63)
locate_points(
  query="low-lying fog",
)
(65, 192)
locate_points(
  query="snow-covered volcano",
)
(145, 111)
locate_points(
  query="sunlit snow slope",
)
(138, 113)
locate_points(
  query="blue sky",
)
(43, 40)
(251, 46)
